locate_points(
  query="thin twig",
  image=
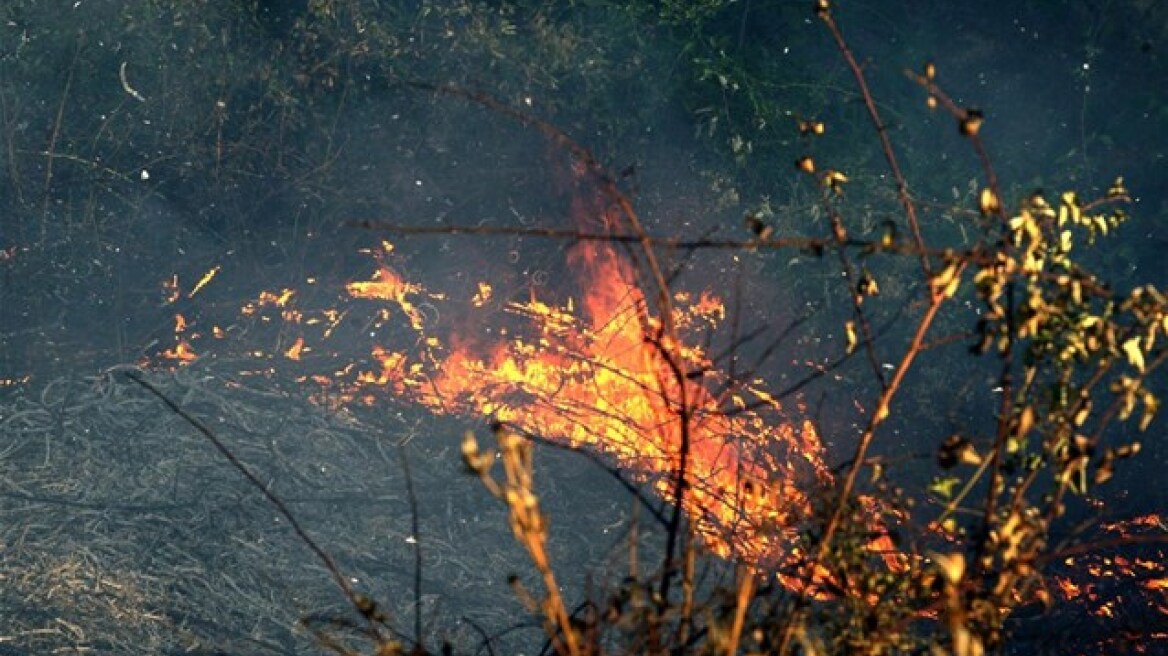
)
(910, 210)
(415, 533)
(47, 193)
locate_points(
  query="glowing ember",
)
(183, 352)
(207, 277)
(483, 296)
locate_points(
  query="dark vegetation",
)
(983, 372)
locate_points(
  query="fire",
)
(600, 374)
(1068, 587)
(604, 369)
(294, 351)
(387, 285)
(182, 351)
(595, 369)
(483, 295)
(1156, 584)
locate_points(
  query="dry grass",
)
(123, 532)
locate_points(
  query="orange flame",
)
(598, 377)
(387, 285)
(294, 351)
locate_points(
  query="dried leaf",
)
(815, 128)
(1081, 414)
(1151, 407)
(470, 446)
(834, 180)
(1127, 450)
(952, 566)
(989, 202)
(1105, 470)
(1117, 189)
(970, 124)
(758, 227)
(1025, 421)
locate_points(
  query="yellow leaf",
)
(1135, 355)
(1100, 224)
(1069, 208)
(943, 487)
(951, 288)
(947, 282)
(850, 332)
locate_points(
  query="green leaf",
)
(944, 487)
